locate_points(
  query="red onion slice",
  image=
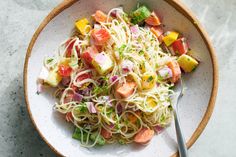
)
(165, 73)
(91, 107)
(134, 29)
(127, 66)
(65, 81)
(158, 129)
(77, 97)
(113, 78)
(119, 109)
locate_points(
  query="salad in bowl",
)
(113, 78)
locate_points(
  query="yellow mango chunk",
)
(53, 78)
(170, 38)
(151, 103)
(65, 61)
(148, 80)
(187, 63)
(82, 26)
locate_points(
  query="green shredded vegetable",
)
(140, 14)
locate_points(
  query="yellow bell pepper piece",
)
(170, 38)
(148, 80)
(187, 63)
(82, 26)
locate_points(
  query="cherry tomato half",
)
(64, 70)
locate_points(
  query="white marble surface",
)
(20, 18)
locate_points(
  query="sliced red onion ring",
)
(134, 29)
(113, 78)
(165, 73)
(86, 91)
(111, 125)
(91, 107)
(68, 98)
(77, 97)
(127, 66)
(115, 12)
(158, 129)
(119, 109)
(65, 81)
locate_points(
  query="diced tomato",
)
(89, 54)
(83, 76)
(64, 70)
(106, 134)
(153, 20)
(69, 117)
(176, 72)
(126, 89)
(68, 97)
(180, 46)
(75, 88)
(144, 136)
(69, 46)
(100, 36)
(100, 16)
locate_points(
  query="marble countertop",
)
(20, 18)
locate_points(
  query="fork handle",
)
(183, 152)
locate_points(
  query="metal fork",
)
(183, 152)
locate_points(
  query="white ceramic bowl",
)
(196, 105)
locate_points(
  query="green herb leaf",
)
(121, 141)
(141, 52)
(49, 60)
(150, 79)
(82, 108)
(121, 50)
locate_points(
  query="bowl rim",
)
(180, 7)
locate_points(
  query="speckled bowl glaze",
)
(196, 105)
